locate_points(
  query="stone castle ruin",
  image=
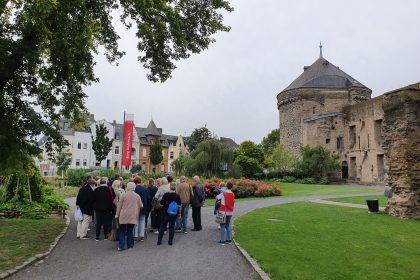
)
(377, 139)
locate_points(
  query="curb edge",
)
(261, 273)
(37, 257)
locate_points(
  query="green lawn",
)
(362, 199)
(292, 189)
(313, 241)
(67, 192)
(23, 238)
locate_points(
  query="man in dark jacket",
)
(151, 190)
(104, 207)
(144, 195)
(84, 202)
(197, 200)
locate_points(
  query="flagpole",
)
(122, 146)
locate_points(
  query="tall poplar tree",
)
(101, 145)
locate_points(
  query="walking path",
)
(195, 255)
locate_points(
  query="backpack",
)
(173, 208)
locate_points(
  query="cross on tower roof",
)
(320, 50)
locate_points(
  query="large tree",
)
(250, 158)
(47, 53)
(101, 145)
(269, 142)
(197, 136)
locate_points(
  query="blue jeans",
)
(126, 232)
(165, 220)
(226, 229)
(139, 228)
(183, 221)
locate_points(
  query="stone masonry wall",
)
(401, 133)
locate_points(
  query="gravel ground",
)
(195, 255)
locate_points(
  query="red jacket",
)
(227, 199)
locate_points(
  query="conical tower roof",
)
(323, 74)
(152, 129)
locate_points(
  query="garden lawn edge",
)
(261, 273)
(37, 257)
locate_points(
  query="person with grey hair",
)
(169, 214)
(127, 213)
(197, 201)
(104, 207)
(163, 188)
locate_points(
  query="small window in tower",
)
(313, 110)
(327, 141)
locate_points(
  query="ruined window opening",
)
(368, 141)
(352, 136)
(327, 141)
(378, 131)
(358, 138)
(313, 110)
(340, 143)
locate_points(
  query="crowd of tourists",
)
(126, 213)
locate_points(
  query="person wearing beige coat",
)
(128, 210)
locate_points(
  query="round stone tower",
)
(322, 90)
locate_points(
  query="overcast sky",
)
(232, 86)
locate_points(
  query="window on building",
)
(84, 162)
(358, 138)
(115, 164)
(85, 146)
(133, 151)
(143, 166)
(313, 110)
(163, 153)
(117, 150)
(77, 162)
(97, 163)
(117, 136)
(144, 152)
(171, 155)
(79, 145)
(180, 145)
(66, 126)
(327, 141)
(162, 167)
(368, 141)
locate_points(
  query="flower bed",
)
(243, 188)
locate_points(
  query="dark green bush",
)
(288, 179)
(77, 177)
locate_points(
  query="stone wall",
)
(401, 133)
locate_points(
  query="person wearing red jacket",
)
(227, 205)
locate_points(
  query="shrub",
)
(306, 181)
(288, 179)
(135, 168)
(77, 177)
(244, 188)
(323, 181)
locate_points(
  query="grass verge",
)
(67, 192)
(21, 239)
(314, 241)
(362, 199)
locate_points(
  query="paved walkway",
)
(195, 255)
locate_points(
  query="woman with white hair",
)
(127, 214)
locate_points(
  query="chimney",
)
(305, 68)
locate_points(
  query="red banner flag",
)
(128, 142)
